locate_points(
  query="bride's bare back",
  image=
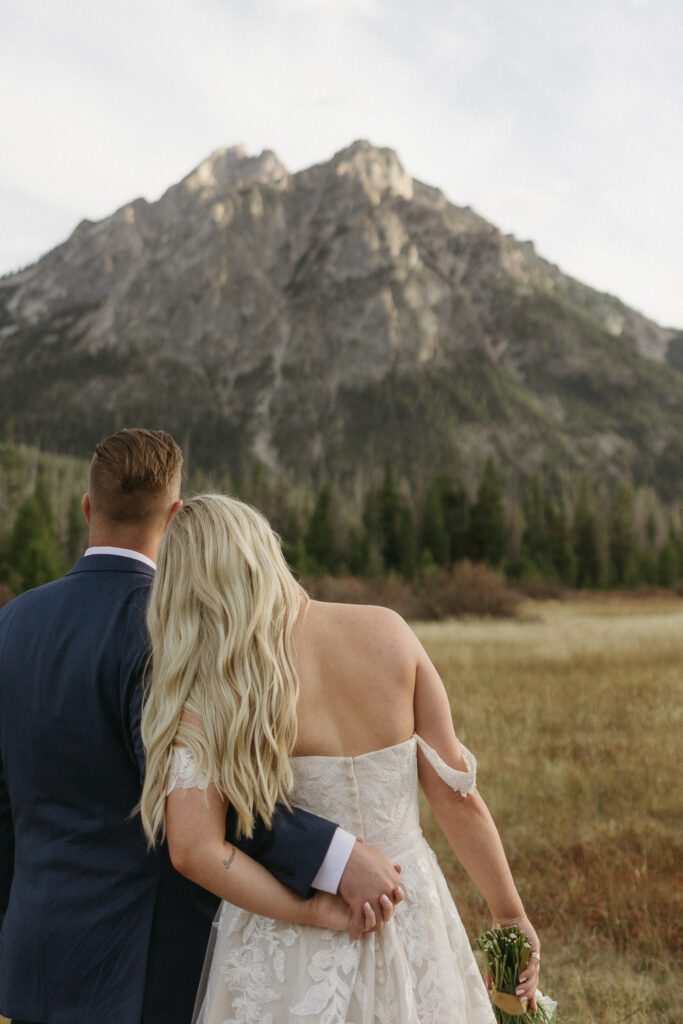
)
(356, 666)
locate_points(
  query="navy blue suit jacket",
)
(94, 929)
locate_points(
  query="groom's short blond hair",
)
(135, 476)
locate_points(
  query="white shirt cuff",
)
(333, 867)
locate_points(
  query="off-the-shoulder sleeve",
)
(183, 773)
(462, 782)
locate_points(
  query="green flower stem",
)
(507, 952)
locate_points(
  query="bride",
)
(260, 695)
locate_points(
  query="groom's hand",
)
(369, 878)
(326, 911)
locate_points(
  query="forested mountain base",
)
(43, 528)
(587, 536)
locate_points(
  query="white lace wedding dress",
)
(419, 970)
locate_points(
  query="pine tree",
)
(293, 546)
(534, 539)
(255, 486)
(34, 552)
(388, 517)
(486, 538)
(668, 565)
(623, 553)
(678, 537)
(5, 566)
(456, 507)
(42, 496)
(393, 520)
(586, 542)
(369, 549)
(434, 539)
(407, 538)
(76, 529)
(357, 548)
(557, 526)
(321, 544)
(648, 569)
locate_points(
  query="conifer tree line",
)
(583, 536)
(32, 552)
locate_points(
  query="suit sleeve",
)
(293, 850)
(6, 845)
(6, 823)
(133, 668)
(134, 699)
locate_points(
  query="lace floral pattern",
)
(253, 963)
(183, 772)
(419, 970)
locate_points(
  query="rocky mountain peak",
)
(328, 321)
(232, 166)
(379, 171)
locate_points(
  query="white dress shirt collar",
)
(122, 553)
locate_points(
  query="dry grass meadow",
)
(575, 713)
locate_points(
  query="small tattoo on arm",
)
(227, 864)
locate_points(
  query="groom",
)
(94, 928)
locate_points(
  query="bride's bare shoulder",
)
(341, 611)
(367, 624)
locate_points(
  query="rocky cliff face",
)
(326, 321)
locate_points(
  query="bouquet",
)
(507, 952)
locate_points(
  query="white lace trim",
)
(462, 782)
(183, 773)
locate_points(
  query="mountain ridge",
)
(325, 321)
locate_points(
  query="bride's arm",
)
(195, 826)
(466, 820)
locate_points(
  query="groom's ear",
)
(175, 507)
(85, 504)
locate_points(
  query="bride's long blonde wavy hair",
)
(221, 618)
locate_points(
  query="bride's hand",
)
(528, 979)
(332, 912)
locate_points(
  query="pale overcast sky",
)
(558, 120)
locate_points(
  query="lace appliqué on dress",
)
(254, 966)
(419, 970)
(183, 773)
